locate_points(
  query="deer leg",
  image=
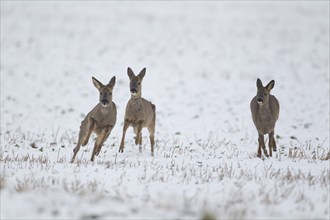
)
(122, 144)
(152, 139)
(270, 147)
(262, 145)
(273, 142)
(86, 139)
(105, 134)
(270, 143)
(138, 140)
(95, 147)
(152, 130)
(259, 149)
(91, 123)
(83, 136)
(138, 136)
(99, 142)
(75, 151)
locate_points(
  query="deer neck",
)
(136, 102)
(106, 110)
(136, 97)
(264, 107)
(264, 110)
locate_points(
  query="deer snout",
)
(260, 100)
(104, 102)
(133, 91)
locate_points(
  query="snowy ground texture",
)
(202, 60)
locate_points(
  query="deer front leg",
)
(138, 140)
(101, 138)
(105, 134)
(138, 136)
(262, 145)
(122, 143)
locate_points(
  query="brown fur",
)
(140, 113)
(100, 120)
(265, 111)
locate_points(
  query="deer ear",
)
(112, 82)
(142, 73)
(270, 85)
(97, 83)
(130, 73)
(259, 83)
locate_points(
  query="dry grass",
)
(190, 166)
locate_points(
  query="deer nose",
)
(104, 102)
(260, 101)
(133, 91)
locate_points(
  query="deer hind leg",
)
(83, 138)
(270, 145)
(122, 143)
(259, 149)
(151, 129)
(91, 122)
(262, 145)
(273, 142)
(152, 139)
(75, 150)
(94, 149)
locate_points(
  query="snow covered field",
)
(202, 60)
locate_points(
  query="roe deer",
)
(265, 110)
(100, 120)
(140, 113)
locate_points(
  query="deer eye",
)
(101, 93)
(265, 93)
(139, 83)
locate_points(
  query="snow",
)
(202, 60)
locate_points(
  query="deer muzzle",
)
(104, 102)
(133, 91)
